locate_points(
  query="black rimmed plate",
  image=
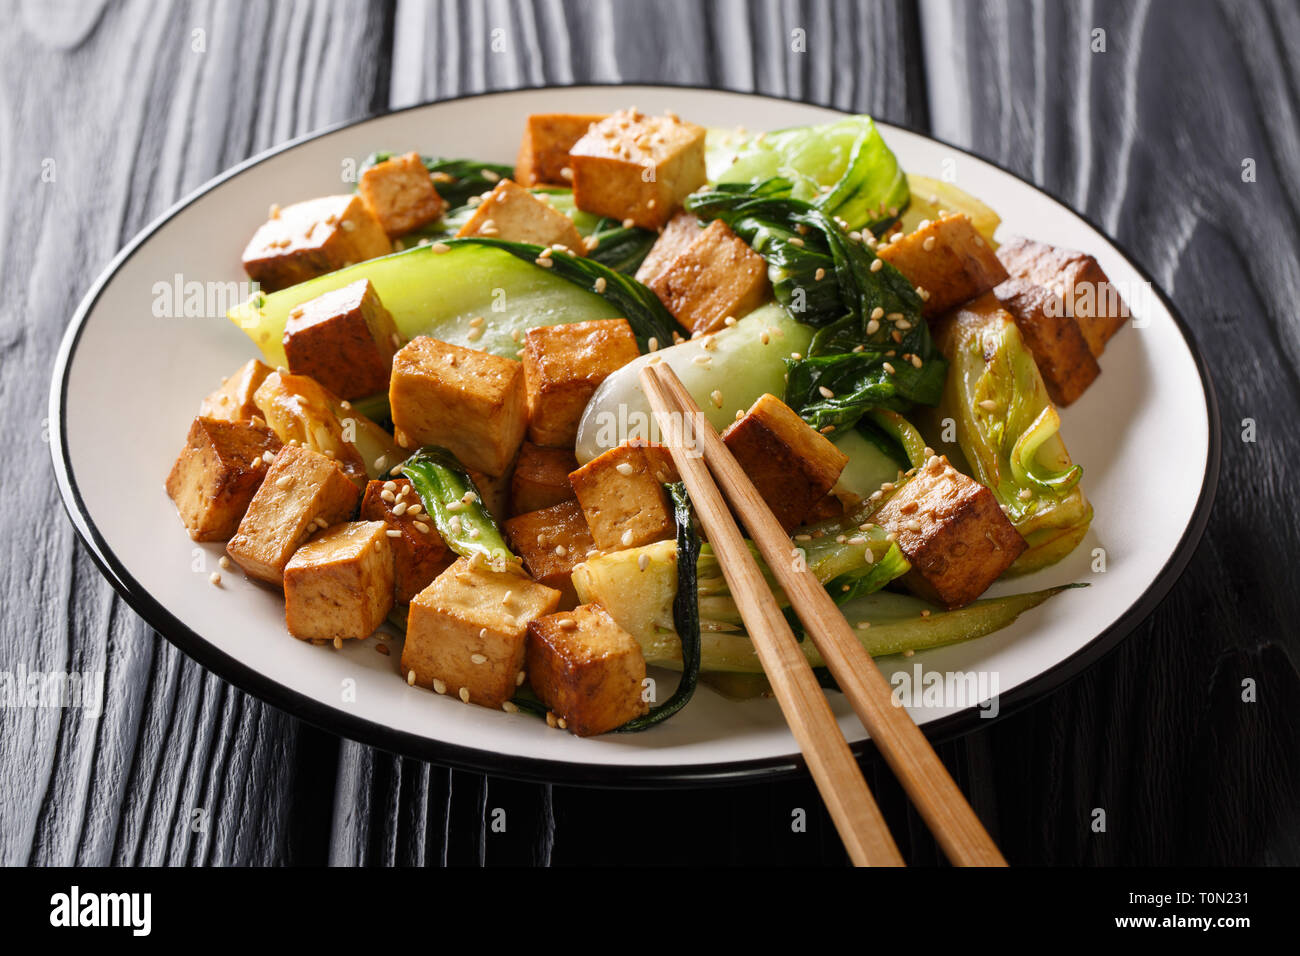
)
(150, 339)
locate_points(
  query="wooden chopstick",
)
(830, 761)
(922, 774)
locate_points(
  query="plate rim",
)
(542, 770)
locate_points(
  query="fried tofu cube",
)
(563, 365)
(948, 259)
(401, 194)
(303, 491)
(791, 464)
(340, 583)
(311, 238)
(544, 152)
(717, 276)
(218, 472)
(552, 542)
(630, 166)
(233, 401)
(622, 496)
(1053, 336)
(1078, 279)
(512, 213)
(541, 478)
(675, 238)
(951, 528)
(466, 632)
(586, 669)
(472, 403)
(419, 554)
(344, 339)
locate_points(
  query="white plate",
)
(127, 384)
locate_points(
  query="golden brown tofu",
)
(717, 276)
(466, 632)
(586, 669)
(303, 492)
(217, 474)
(791, 464)
(552, 542)
(541, 478)
(419, 553)
(951, 528)
(637, 168)
(563, 365)
(233, 401)
(472, 403)
(1054, 338)
(948, 260)
(401, 194)
(340, 583)
(544, 152)
(311, 238)
(622, 496)
(344, 339)
(676, 238)
(512, 213)
(1078, 279)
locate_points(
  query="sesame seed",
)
(877, 265)
(520, 678)
(440, 247)
(628, 223)
(284, 481)
(643, 562)
(705, 360)
(410, 678)
(600, 283)
(561, 551)
(505, 598)
(764, 337)
(888, 368)
(388, 496)
(550, 719)
(399, 509)
(729, 321)
(988, 404)
(902, 323)
(740, 413)
(925, 613)
(624, 468)
(928, 245)
(796, 355)
(567, 623)
(563, 724)
(463, 693)
(1025, 494)
(819, 274)
(421, 527)
(338, 643)
(215, 578)
(716, 397)
(478, 658)
(510, 708)
(796, 241)
(414, 508)
(825, 392)
(439, 687)
(544, 262)
(916, 361)
(653, 344)
(393, 533)
(863, 625)
(873, 327)
(626, 539)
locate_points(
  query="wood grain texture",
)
(1148, 138)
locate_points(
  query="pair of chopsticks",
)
(699, 452)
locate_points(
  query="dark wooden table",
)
(1143, 115)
